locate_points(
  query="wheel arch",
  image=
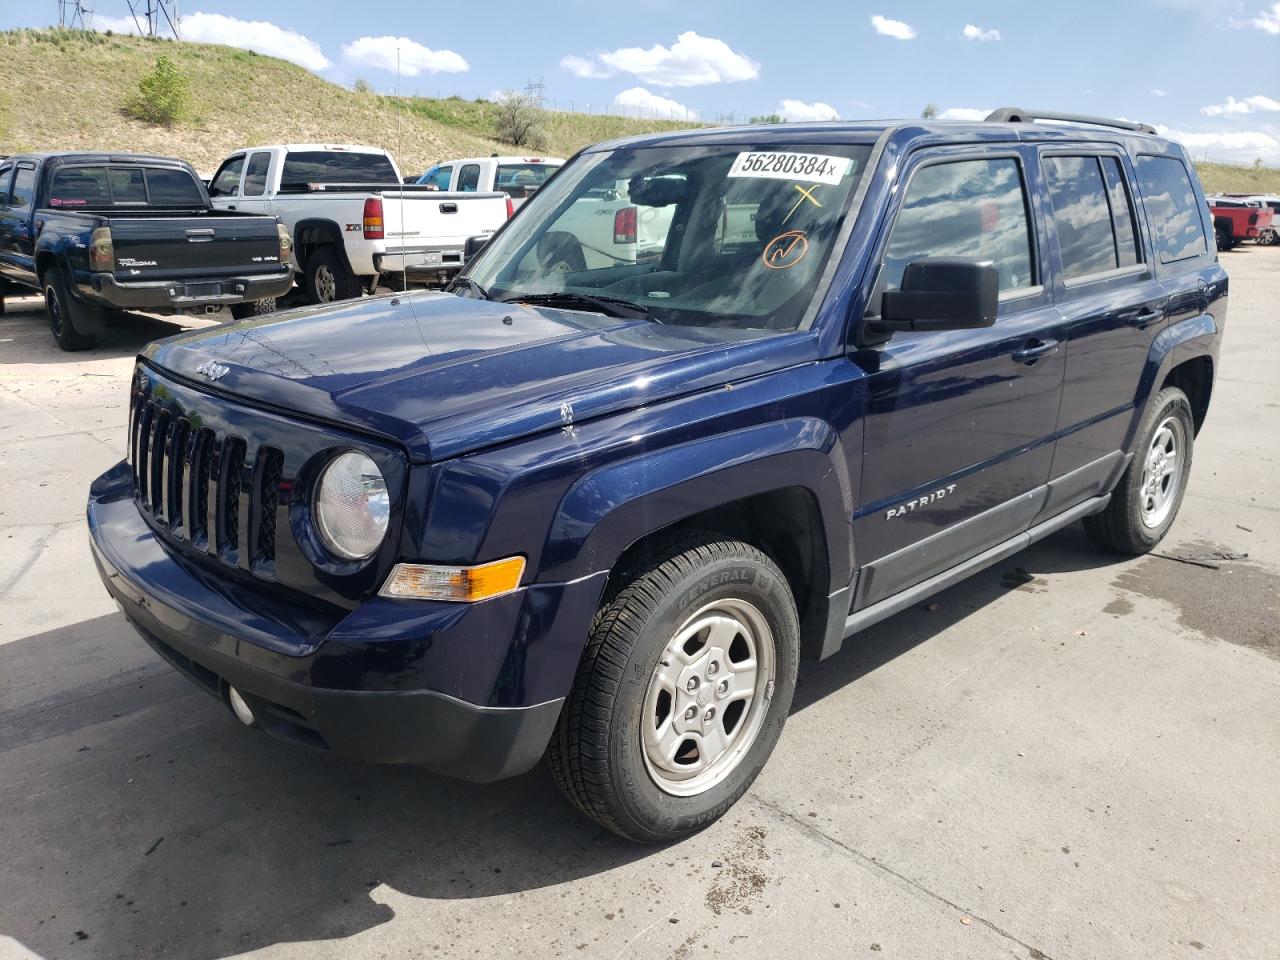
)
(1184, 355)
(316, 232)
(783, 487)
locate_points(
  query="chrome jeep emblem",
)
(213, 370)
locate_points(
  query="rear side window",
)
(172, 188)
(255, 175)
(1172, 210)
(226, 182)
(24, 186)
(965, 208)
(469, 178)
(325, 166)
(1092, 213)
(520, 180)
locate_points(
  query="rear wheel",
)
(682, 692)
(1223, 236)
(57, 303)
(253, 308)
(1146, 500)
(329, 278)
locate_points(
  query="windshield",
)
(709, 235)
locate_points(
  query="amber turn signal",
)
(419, 581)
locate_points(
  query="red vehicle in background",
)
(1235, 221)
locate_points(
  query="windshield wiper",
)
(470, 284)
(609, 306)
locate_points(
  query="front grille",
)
(180, 472)
(219, 479)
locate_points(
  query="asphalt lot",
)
(1065, 757)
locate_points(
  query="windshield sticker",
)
(785, 250)
(809, 167)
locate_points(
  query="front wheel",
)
(682, 692)
(1146, 500)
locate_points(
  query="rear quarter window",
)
(172, 188)
(1172, 210)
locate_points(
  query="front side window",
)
(255, 175)
(469, 178)
(24, 186)
(712, 235)
(1172, 210)
(438, 178)
(226, 183)
(975, 209)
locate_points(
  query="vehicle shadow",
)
(139, 814)
(25, 325)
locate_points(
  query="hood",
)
(444, 375)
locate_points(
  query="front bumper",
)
(182, 295)
(376, 684)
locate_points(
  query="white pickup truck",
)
(352, 221)
(517, 177)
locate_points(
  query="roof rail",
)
(1018, 115)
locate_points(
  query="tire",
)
(329, 278)
(61, 311)
(253, 308)
(1142, 510)
(1223, 238)
(600, 756)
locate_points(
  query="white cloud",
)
(257, 35)
(1157, 92)
(693, 60)
(892, 28)
(652, 105)
(964, 113)
(380, 53)
(582, 67)
(1241, 146)
(1254, 104)
(977, 33)
(799, 111)
(1268, 21)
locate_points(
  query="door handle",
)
(231, 206)
(1146, 317)
(1034, 350)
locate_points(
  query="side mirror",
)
(474, 245)
(941, 293)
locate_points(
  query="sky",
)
(1206, 72)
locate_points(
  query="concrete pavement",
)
(1068, 756)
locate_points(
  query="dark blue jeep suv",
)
(713, 400)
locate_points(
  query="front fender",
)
(609, 509)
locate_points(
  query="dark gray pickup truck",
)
(95, 232)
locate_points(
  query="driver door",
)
(959, 431)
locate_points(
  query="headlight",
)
(352, 508)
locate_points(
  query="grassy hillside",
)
(67, 89)
(70, 88)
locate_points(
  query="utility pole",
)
(155, 18)
(74, 14)
(535, 89)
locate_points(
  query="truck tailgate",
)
(214, 245)
(420, 221)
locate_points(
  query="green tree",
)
(519, 120)
(767, 118)
(929, 112)
(163, 97)
(362, 85)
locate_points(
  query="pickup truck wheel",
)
(57, 303)
(253, 308)
(1146, 500)
(682, 691)
(1223, 237)
(329, 279)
